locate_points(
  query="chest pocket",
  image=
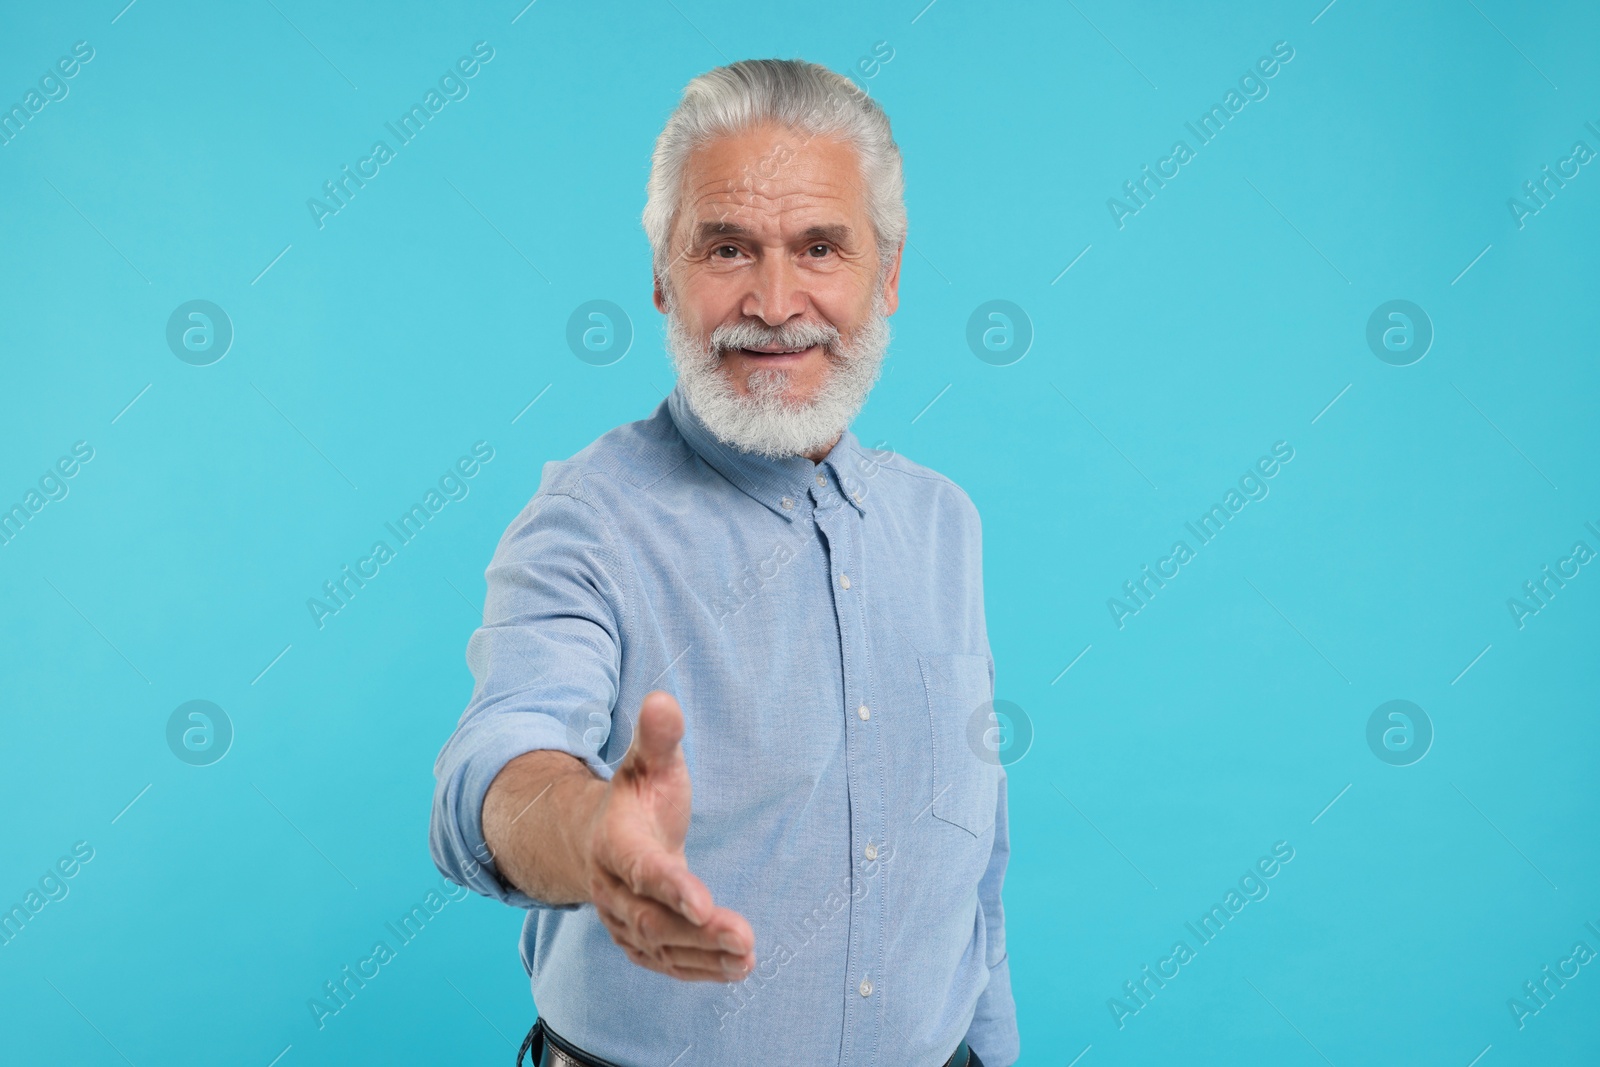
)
(965, 785)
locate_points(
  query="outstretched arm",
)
(525, 809)
(561, 834)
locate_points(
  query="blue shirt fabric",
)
(822, 627)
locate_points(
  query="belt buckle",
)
(554, 1057)
(556, 1051)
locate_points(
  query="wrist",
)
(585, 799)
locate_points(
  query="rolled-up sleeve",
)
(993, 1034)
(545, 665)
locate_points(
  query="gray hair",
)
(805, 97)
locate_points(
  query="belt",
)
(550, 1049)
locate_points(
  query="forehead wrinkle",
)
(753, 212)
(801, 176)
(771, 191)
(782, 207)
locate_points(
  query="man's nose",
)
(777, 292)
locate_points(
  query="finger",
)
(723, 928)
(617, 925)
(733, 932)
(650, 923)
(651, 871)
(725, 966)
(656, 734)
(680, 961)
(730, 968)
(617, 929)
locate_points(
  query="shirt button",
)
(788, 504)
(871, 852)
(844, 581)
(863, 713)
(821, 480)
(865, 987)
(857, 496)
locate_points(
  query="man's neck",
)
(822, 453)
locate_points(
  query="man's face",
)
(773, 277)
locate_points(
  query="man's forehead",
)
(772, 166)
(792, 213)
(764, 145)
(798, 225)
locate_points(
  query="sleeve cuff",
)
(464, 772)
(993, 1033)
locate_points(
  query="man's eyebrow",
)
(833, 233)
(711, 230)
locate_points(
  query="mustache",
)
(760, 335)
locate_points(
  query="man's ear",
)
(659, 297)
(891, 283)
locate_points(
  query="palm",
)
(646, 814)
(656, 910)
(650, 805)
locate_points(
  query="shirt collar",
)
(774, 482)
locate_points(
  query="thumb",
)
(655, 747)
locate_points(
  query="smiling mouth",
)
(773, 352)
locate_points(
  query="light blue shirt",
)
(822, 627)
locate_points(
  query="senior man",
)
(721, 744)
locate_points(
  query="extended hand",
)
(662, 916)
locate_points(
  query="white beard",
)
(765, 422)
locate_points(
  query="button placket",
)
(867, 908)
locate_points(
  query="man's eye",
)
(725, 248)
(825, 250)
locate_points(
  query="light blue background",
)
(427, 314)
